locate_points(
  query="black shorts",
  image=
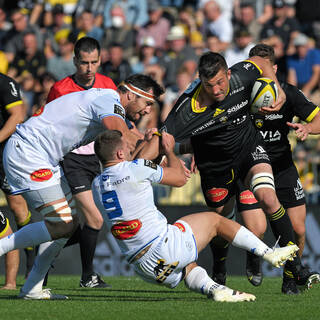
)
(288, 189)
(218, 188)
(80, 170)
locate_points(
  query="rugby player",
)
(162, 253)
(81, 165)
(214, 113)
(274, 129)
(31, 162)
(13, 112)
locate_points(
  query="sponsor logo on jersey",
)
(298, 190)
(13, 90)
(41, 175)
(150, 164)
(216, 194)
(119, 110)
(38, 112)
(260, 154)
(258, 123)
(163, 269)
(126, 229)
(204, 126)
(217, 112)
(240, 120)
(247, 197)
(236, 90)
(237, 107)
(270, 136)
(273, 116)
(223, 119)
(180, 226)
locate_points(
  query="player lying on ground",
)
(160, 252)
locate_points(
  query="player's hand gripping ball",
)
(264, 93)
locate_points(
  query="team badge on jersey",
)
(126, 229)
(150, 164)
(41, 175)
(216, 194)
(258, 123)
(119, 110)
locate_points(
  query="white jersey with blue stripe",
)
(123, 193)
(69, 122)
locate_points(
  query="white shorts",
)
(28, 169)
(166, 259)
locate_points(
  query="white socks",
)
(245, 239)
(198, 280)
(47, 253)
(28, 236)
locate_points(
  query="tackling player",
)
(162, 253)
(81, 165)
(32, 155)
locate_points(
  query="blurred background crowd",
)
(164, 39)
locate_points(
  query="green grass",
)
(131, 298)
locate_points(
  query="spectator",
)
(135, 12)
(180, 54)
(247, 18)
(213, 43)
(117, 68)
(87, 26)
(5, 26)
(280, 24)
(240, 50)
(157, 26)
(61, 65)
(121, 32)
(28, 60)
(14, 37)
(217, 24)
(304, 68)
(95, 6)
(146, 55)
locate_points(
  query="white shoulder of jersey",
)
(146, 169)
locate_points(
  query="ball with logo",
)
(264, 93)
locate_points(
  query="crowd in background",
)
(164, 39)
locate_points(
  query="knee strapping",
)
(57, 212)
(262, 180)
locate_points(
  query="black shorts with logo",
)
(288, 189)
(80, 170)
(218, 188)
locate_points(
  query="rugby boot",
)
(305, 278)
(278, 256)
(94, 281)
(224, 294)
(44, 294)
(253, 269)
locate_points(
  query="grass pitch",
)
(131, 298)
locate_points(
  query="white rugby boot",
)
(225, 294)
(279, 256)
(44, 294)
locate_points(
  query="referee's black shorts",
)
(80, 170)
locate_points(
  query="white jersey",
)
(69, 122)
(124, 196)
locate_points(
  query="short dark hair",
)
(143, 82)
(210, 64)
(86, 44)
(264, 51)
(106, 143)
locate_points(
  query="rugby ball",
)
(264, 93)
